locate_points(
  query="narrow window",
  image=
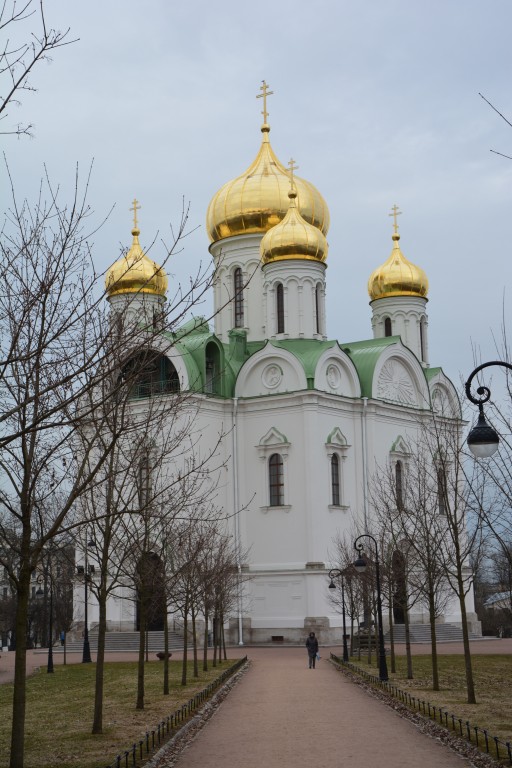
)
(441, 491)
(280, 307)
(144, 482)
(276, 480)
(388, 331)
(399, 485)
(317, 307)
(422, 340)
(335, 480)
(239, 298)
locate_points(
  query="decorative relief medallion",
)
(333, 376)
(272, 376)
(395, 384)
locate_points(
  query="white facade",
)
(288, 391)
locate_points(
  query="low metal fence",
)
(140, 750)
(480, 737)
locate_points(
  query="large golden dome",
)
(258, 199)
(293, 238)
(135, 272)
(397, 276)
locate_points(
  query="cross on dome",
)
(263, 95)
(135, 208)
(292, 167)
(394, 214)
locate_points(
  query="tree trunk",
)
(407, 626)
(142, 643)
(166, 651)
(470, 683)
(19, 699)
(433, 635)
(97, 723)
(194, 642)
(205, 649)
(391, 629)
(185, 642)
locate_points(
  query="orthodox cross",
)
(292, 167)
(263, 95)
(395, 213)
(135, 209)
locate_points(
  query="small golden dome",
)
(258, 199)
(397, 276)
(293, 238)
(135, 272)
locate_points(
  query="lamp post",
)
(41, 593)
(483, 440)
(86, 571)
(360, 566)
(335, 573)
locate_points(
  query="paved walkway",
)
(283, 715)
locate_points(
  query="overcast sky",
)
(376, 100)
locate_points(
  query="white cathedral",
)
(307, 418)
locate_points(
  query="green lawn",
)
(60, 711)
(493, 681)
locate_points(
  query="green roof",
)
(364, 355)
(307, 351)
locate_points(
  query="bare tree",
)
(28, 42)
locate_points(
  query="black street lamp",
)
(86, 571)
(483, 439)
(360, 566)
(41, 593)
(335, 573)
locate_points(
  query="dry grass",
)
(60, 712)
(493, 676)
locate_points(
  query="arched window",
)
(276, 480)
(212, 369)
(239, 297)
(399, 485)
(335, 480)
(280, 307)
(388, 330)
(441, 490)
(144, 482)
(422, 340)
(317, 308)
(150, 373)
(399, 587)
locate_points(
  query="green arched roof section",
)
(364, 355)
(191, 340)
(307, 351)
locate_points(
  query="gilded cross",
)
(263, 95)
(395, 213)
(292, 167)
(135, 209)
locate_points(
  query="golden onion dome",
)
(258, 199)
(135, 272)
(397, 276)
(293, 238)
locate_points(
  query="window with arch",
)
(280, 307)
(318, 305)
(422, 340)
(399, 485)
(388, 329)
(335, 480)
(238, 280)
(212, 369)
(150, 373)
(441, 490)
(276, 480)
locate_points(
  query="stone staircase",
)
(420, 633)
(124, 641)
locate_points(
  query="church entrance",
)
(150, 580)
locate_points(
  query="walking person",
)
(312, 646)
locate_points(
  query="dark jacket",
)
(312, 646)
